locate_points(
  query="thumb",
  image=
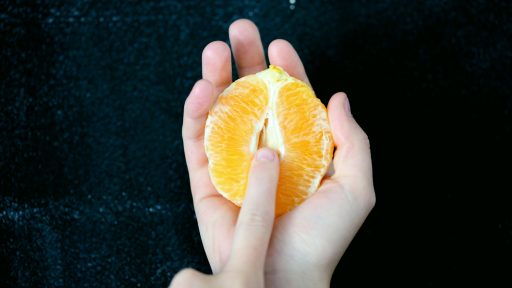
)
(352, 160)
(256, 218)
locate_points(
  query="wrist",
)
(297, 279)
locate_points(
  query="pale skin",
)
(247, 247)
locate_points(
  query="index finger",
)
(216, 65)
(195, 113)
(256, 218)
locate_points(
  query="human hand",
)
(307, 242)
(251, 235)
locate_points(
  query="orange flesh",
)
(276, 111)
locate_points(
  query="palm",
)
(303, 235)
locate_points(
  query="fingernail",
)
(347, 107)
(194, 88)
(265, 154)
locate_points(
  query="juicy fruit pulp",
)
(268, 109)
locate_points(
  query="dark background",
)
(93, 182)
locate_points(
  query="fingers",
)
(247, 48)
(282, 54)
(352, 160)
(256, 218)
(217, 65)
(196, 108)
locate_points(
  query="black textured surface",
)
(93, 183)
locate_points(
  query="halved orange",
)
(278, 111)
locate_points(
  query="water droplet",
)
(292, 4)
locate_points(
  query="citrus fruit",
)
(268, 109)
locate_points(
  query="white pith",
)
(272, 133)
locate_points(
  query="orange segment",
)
(308, 146)
(230, 133)
(275, 110)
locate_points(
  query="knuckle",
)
(367, 198)
(363, 139)
(370, 200)
(184, 133)
(184, 278)
(362, 194)
(359, 139)
(254, 219)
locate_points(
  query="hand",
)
(245, 267)
(306, 243)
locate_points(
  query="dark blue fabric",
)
(93, 182)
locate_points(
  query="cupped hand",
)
(246, 265)
(306, 243)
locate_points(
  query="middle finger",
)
(247, 48)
